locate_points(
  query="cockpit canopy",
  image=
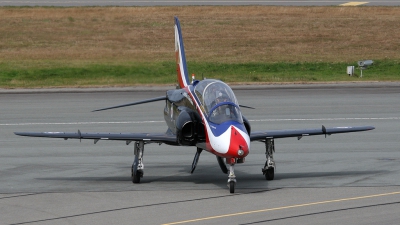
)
(218, 100)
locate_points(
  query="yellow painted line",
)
(283, 207)
(353, 3)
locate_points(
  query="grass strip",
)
(97, 75)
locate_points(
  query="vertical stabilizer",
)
(183, 77)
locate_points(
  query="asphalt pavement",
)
(344, 178)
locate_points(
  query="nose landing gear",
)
(231, 178)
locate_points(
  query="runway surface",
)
(343, 179)
(193, 2)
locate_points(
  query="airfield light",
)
(363, 64)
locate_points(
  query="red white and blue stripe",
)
(183, 77)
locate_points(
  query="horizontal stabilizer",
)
(245, 106)
(134, 103)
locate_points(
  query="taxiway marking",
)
(327, 119)
(162, 121)
(284, 207)
(353, 3)
(82, 123)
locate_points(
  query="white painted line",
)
(80, 123)
(161, 121)
(326, 119)
(353, 3)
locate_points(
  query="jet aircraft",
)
(204, 114)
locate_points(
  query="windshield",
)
(225, 111)
(219, 101)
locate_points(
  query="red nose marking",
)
(237, 142)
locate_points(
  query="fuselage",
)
(206, 114)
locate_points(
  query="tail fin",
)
(183, 77)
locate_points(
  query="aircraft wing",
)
(262, 135)
(147, 137)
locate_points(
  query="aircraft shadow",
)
(202, 178)
(283, 176)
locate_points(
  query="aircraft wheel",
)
(232, 187)
(269, 174)
(135, 174)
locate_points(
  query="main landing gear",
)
(269, 167)
(137, 166)
(268, 170)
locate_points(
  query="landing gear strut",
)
(231, 178)
(196, 159)
(269, 167)
(137, 166)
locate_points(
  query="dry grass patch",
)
(220, 34)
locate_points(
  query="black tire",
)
(270, 173)
(232, 187)
(135, 174)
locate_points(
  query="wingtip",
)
(21, 133)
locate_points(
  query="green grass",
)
(126, 46)
(301, 72)
(96, 75)
(92, 75)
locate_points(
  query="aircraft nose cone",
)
(239, 143)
